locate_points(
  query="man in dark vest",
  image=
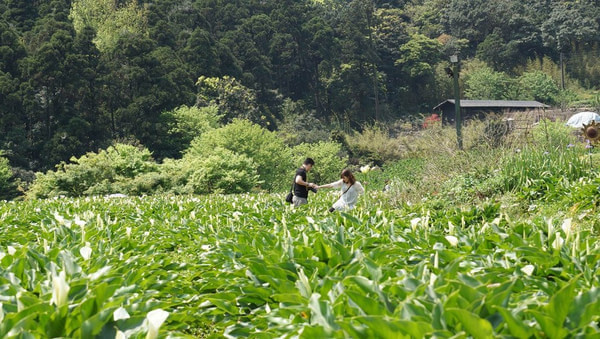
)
(301, 185)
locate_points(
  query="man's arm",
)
(301, 182)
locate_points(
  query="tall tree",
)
(12, 124)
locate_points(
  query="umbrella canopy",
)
(579, 119)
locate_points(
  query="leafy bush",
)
(487, 84)
(7, 186)
(374, 145)
(223, 171)
(538, 86)
(269, 154)
(186, 123)
(107, 171)
(329, 159)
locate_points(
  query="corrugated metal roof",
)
(496, 104)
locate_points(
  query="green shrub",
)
(7, 186)
(329, 159)
(487, 84)
(374, 146)
(186, 123)
(269, 154)
(539, 86)
(223, 171)
(553, 134)
(107, 171)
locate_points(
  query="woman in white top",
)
(350, 189)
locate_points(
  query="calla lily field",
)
(249, 265)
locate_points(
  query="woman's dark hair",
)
(348, 174)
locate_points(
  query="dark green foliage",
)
(75, 79)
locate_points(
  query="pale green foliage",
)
(374, 145)
(189, 122)
(329, 160)
(546, 65)
(6, 186)
(270, 156)
(538, 86)
(419, 55)
(108, 171)
(110, 21)
(487, 84)
(553, 134)
(222, 171)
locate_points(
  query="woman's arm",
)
(359, 188)
(333, 184)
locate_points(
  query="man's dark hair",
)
(309, 161)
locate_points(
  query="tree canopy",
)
(79, 75)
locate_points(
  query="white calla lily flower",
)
(528, 269)
(558, 242)
(414, 222)
(60, 289)
(155, 320)
(566, 227)
(86, 252)
(120, 313)
(452, 240)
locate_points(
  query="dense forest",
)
(76, 76)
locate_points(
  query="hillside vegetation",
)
(78, 76)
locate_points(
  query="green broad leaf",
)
(367, 305)
(499, 296)
(385, 327)
(311, 332)
(560, 302)
(88, 308)
(69, 263)
(350, 220)
(303, 284)
(471, 323)
(584, 308)
(289, 298)
(416, 329)
(259, 293)
(227, 306)
(537, 256)
(93, 325)
(373, 269)
(370, 286)
(322, 313)
(437, 317)
(103, 292)
(515, 326)
(548, 325)
(323, 250)
(12, 328)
